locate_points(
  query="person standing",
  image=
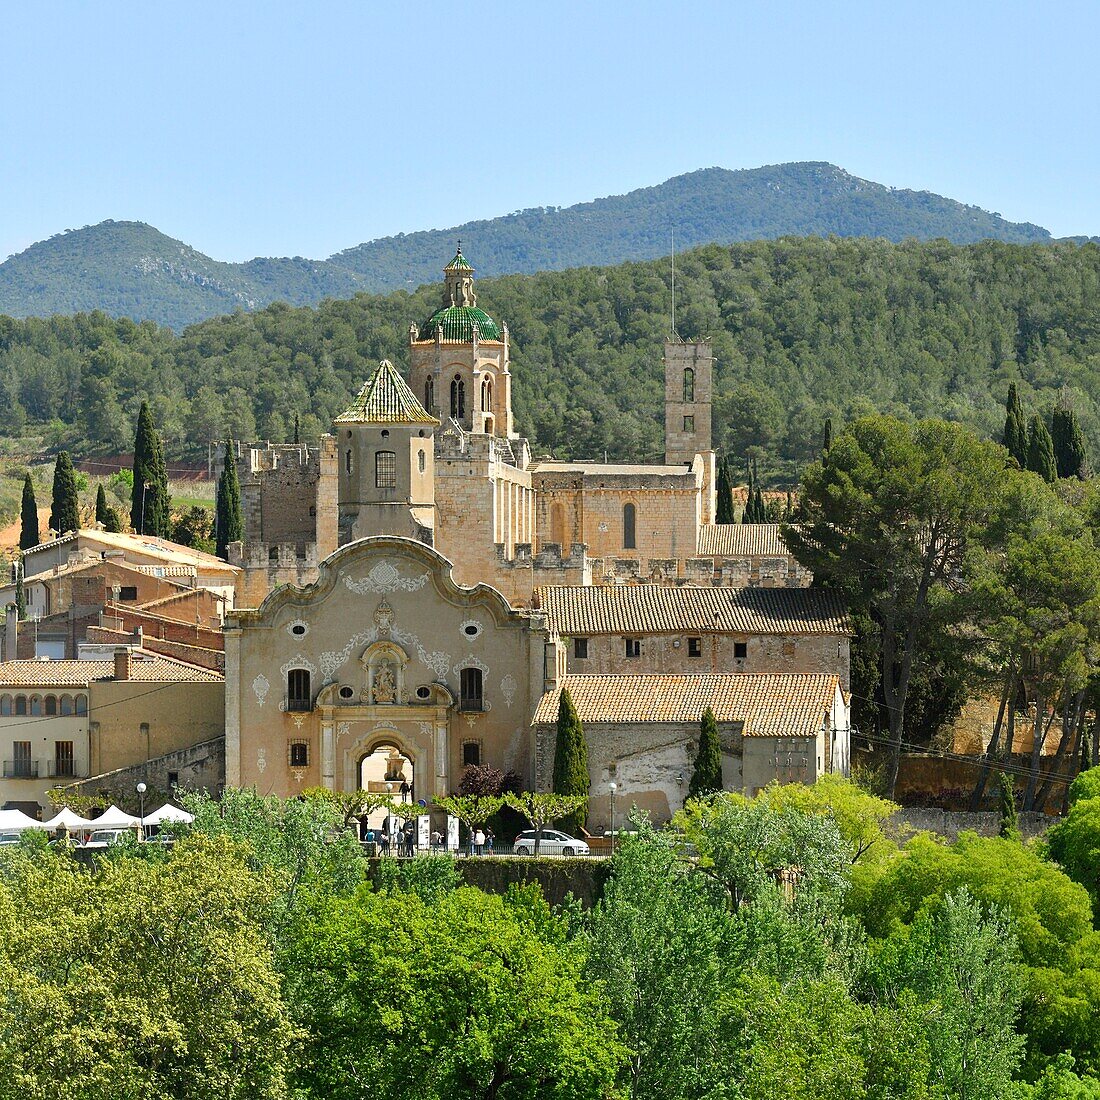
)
(489, 838)
(479, 841)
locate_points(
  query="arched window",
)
(298, 694)
(471, 697)
(66, 705)
(487, 395)
(82, 705)
(689, 384)
(385, 469)
(51, 705)
(36, 706)
(458, 397)
(20, 704)
(420, 460)
(5, 706)
(347, 461)
(630, 539)
(429, 393)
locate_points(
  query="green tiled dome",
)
(457, 325)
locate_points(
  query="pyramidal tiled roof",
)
(459, 263)
(386, 399)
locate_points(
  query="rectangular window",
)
(580, 649)
(471, 697)
(633, 647)
(695, 647)
(63, 758)
(689, 423)
(471, 754)
(740, 650)
(298, 694)
(128, 592)
(299, 754)
(173, 781)
(20, 766)
(385, 470)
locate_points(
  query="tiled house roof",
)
(634, 609)
(386, 399)
(780, 705)
(742, 540)
(58, 674)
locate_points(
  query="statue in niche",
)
(385, 686)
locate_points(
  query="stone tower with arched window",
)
(689, 378)
(458, 359)
(386, 450)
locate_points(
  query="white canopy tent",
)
(15, 821)
(114, 818)
(169, 815)
(66, 819)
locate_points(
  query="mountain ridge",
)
(132, 269)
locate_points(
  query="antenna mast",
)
(674, 336)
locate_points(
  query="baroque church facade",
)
(415, 584)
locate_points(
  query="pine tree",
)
(827, 440)
(149, 505)
(707, 776)
(571, 760)
(1015, 439)
(1040, 450)
(65, 511)
(1069, 442)
(724, 511)
(28, 531)
(228, 525)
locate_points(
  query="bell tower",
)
(689, 380)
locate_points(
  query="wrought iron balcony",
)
(20, 769)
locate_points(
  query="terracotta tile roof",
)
(631, 609)
(777, 705)
(386, 399)
(742, 540)
(599, 469)
(56, 674)
(149, 545)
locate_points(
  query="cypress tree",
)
(1009, 828)
(707, 776)
(149, 504)
(827, 440)
(20, 594)
(570, 760)
(1068, 441)
(228, 526)
(1016, 438)
(724, 511)
(297, 430)
(28, 530)
(1040, 450)
(65, 511)
(105, 514)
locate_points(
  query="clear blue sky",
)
(301, 128)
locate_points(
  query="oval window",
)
(346, 692)
(423, 692)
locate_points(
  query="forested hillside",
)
(133, 270)
(802, 329)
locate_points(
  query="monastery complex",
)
(413, 594)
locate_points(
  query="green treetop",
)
(149, 505)
(571, 762)
(28, 531)
(228, 524)
(1015, 437)
(1068, 441)
(1040, 450)
(724, 508)
(65, 513)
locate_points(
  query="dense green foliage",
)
(802, 330)
(228, 524)
(1069, 442)
(724, 512)
(706, 775)
(130, 269)
(571, 762)
(1040, 450)
(65, 501)
(1015, 433)
(149, 503)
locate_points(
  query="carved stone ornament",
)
(343, 729)
(384, 577)
(508, 689)
(261, 686)
(261, 761)
(385, 684)
(298, 628)
(470, 661)
(383, 618)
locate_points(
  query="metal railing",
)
(61, 769)
(20, 769)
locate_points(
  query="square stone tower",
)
(689, 385)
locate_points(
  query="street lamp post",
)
(680, 786)
(613, 788)
(141, 789)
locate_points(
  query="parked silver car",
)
(552, 842)
(105, 838)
